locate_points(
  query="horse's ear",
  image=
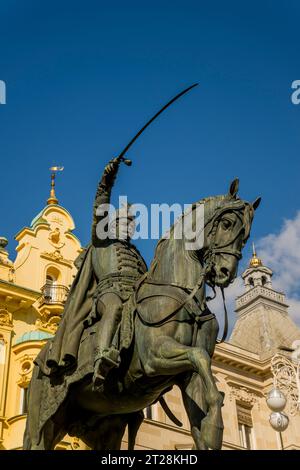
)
(234, 187)
(256, 203)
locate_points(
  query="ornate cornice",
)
(47, 324)
(243, 394)
(16, 297)
(240, 359)
(57, 257)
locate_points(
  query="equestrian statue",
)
(128, 334)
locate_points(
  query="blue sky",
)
(82, 77)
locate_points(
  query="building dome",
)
(255, 262)
(33, 336)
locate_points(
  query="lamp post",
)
(286, 388)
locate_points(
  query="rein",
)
(172, 314)
(209, 259)
(225, 330)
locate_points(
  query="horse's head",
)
(227, 222)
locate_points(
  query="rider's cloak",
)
(61, 351)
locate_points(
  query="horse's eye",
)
(226, 224)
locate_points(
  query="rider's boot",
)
(104, 363)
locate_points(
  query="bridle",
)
(214, 249)
(211, 252)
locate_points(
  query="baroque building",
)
(33, 289)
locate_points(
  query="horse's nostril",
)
(225, 271)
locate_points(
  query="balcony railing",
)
(53, 294)
(259, 291)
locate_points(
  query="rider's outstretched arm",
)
(103, 194)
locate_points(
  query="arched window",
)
(50, 289)
(264, 281)
(49, 292)
(251, 282)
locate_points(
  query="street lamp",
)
(286, 387)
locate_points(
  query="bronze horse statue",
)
(172, 340)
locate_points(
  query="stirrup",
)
(109, 359)
(98, 380)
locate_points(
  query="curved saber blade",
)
(154, 117)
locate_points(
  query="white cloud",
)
(281, 253)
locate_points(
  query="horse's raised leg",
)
(197, 359)
(166, 356)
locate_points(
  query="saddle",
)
(125, 333)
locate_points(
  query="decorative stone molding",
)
(11, 275)
(5, 261)
(5, 318)
(55, 238)
(25, 369)
(56, 219)
(56, 256)
(244, 395)
(75, 443)
(49, 325)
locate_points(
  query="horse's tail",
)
(169, 413)
(134, 422)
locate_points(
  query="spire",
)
(255, 262)
(52, 199)
(263, 324)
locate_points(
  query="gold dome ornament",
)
(255, 262)
(53, 199)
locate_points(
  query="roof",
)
(263, 330)
(40, 219)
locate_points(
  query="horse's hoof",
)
(199, 443)
(211, 434)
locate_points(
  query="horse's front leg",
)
(193, 396)
(212, 425)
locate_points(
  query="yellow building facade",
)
(33, 289)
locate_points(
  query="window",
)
(23, 400)
(251, 282)
(49, 292)
(245, 436)
(148, 412)
(245, 427)
(2, 351)
(52, 291)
